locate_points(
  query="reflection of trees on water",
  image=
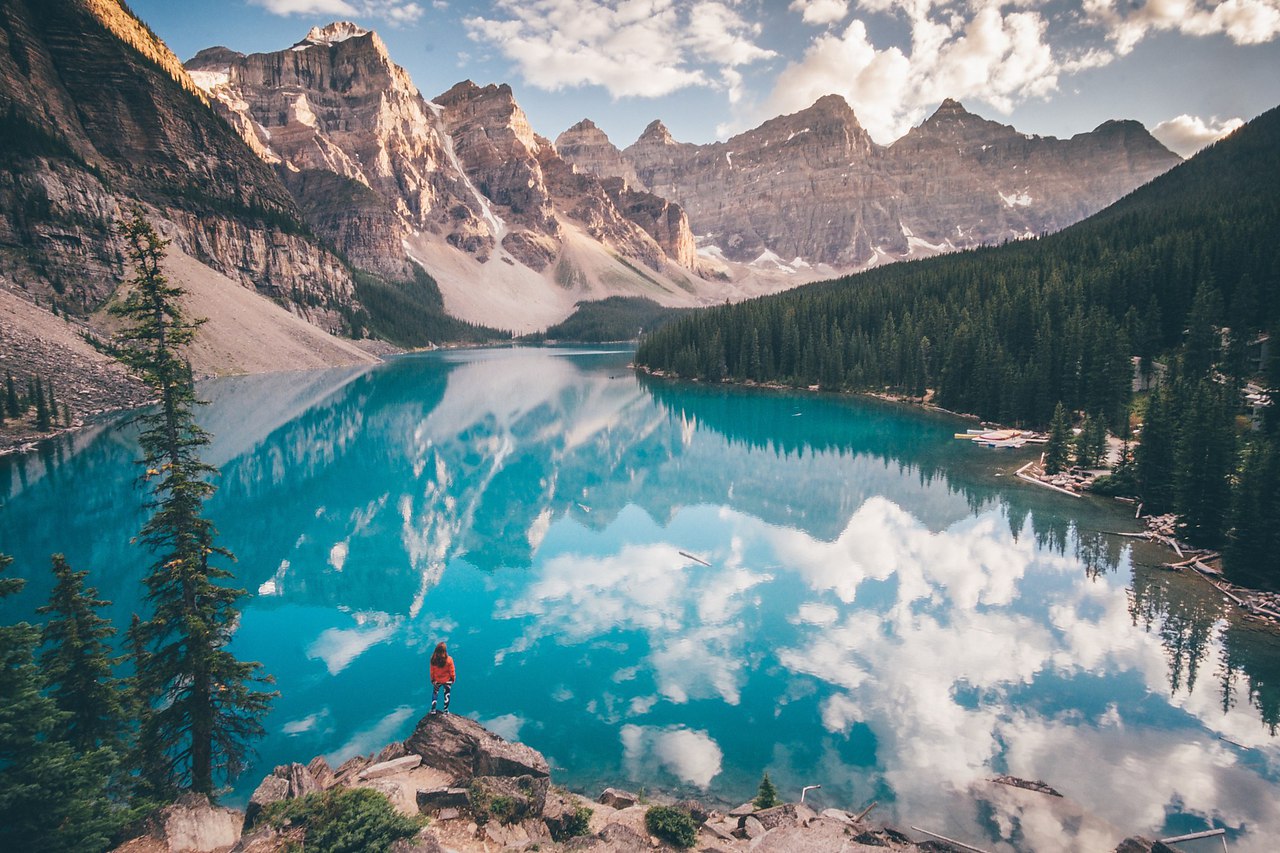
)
(1181, 615)
(1189, 622)
(1253, 652)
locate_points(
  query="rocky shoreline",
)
(480, 793)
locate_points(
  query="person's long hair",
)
(440, 655)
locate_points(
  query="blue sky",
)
(1187, 69)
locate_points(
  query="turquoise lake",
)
(884, 611)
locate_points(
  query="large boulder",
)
(390, 768)
(443, 798)
(465, 749)
(616, 798)
(193, 825)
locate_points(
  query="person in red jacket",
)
(442, 675)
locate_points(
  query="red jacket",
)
(443, 674)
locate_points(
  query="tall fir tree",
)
(1252, 555)
(52, 800)
(1203, 461)
(77, 663)
(203, 706)
(1057, 453)
(1154, 456)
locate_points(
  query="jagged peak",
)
(338, 31)
(949, 110)
(656, 131)
(585, 124)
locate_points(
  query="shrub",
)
(671, 825)
(351, 820)
(766, 795)
(578, 823)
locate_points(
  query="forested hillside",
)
(1184, 270)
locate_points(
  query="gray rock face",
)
(360, 148)
(813, 185)
(126, 129)
(440, 799)
(532, 187)
(286, 782)
(465, 749)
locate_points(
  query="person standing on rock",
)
(442, 675)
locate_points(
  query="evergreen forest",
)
(1173, 286)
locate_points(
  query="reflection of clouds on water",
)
(1137, 774)
(905, 671)
(338, 647)
(691, 756)
(308, 723)
(689, 612)
(975, 561)
(374, 737)
(505, 725)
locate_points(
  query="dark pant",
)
(435, 691)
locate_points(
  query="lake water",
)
(884, 611)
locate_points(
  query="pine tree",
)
(766, 794)
(77, 662)
(1203, 463)
(1154, 456)
(1082, 444)
(1058, 450)
(51, 799)
(203, 710)
(11, 396)
(43, 421)
(1252, 555)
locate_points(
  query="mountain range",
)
(319, 177)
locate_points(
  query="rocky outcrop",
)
(465, 749)
(814, 187)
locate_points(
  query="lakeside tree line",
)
(91, 741)
(1184, 270)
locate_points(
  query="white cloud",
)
(821, 12)
(691, 756)
(1242, 21)
(632, 48)
(1000, 52)
(392, 11)
(998, 56)
(1186, 134)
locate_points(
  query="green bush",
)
(671, 825)
(767, 794)
(350, 820)
(578, 823)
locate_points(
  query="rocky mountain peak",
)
(330, 34)
(657, 132)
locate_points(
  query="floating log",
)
(950, 841)
(867, 810)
